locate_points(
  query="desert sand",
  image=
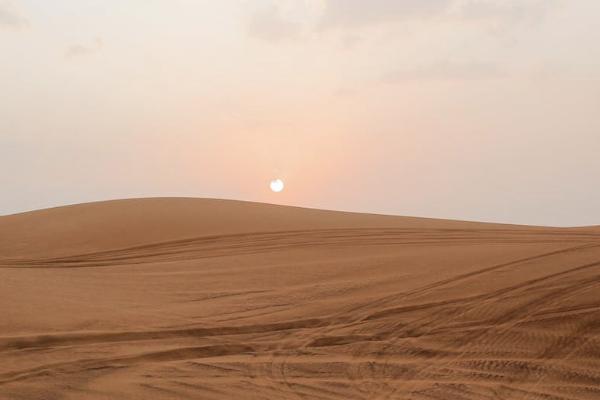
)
(215, 299)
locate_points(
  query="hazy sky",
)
(467, 109)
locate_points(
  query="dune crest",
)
(215, 299)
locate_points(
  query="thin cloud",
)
(79, 50)
(278, 20)
(10, 17)
(359, 13)
(268, 23)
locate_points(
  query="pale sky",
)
(465, 109)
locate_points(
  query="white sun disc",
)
(277, 185)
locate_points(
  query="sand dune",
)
(214, 299)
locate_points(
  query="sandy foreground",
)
(214, 299)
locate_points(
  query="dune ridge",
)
(172, 298)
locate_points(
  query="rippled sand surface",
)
(213, 299)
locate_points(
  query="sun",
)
(277, 185)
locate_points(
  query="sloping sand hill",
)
(214, 299)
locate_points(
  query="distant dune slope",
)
(215, 299)
(124, 223)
